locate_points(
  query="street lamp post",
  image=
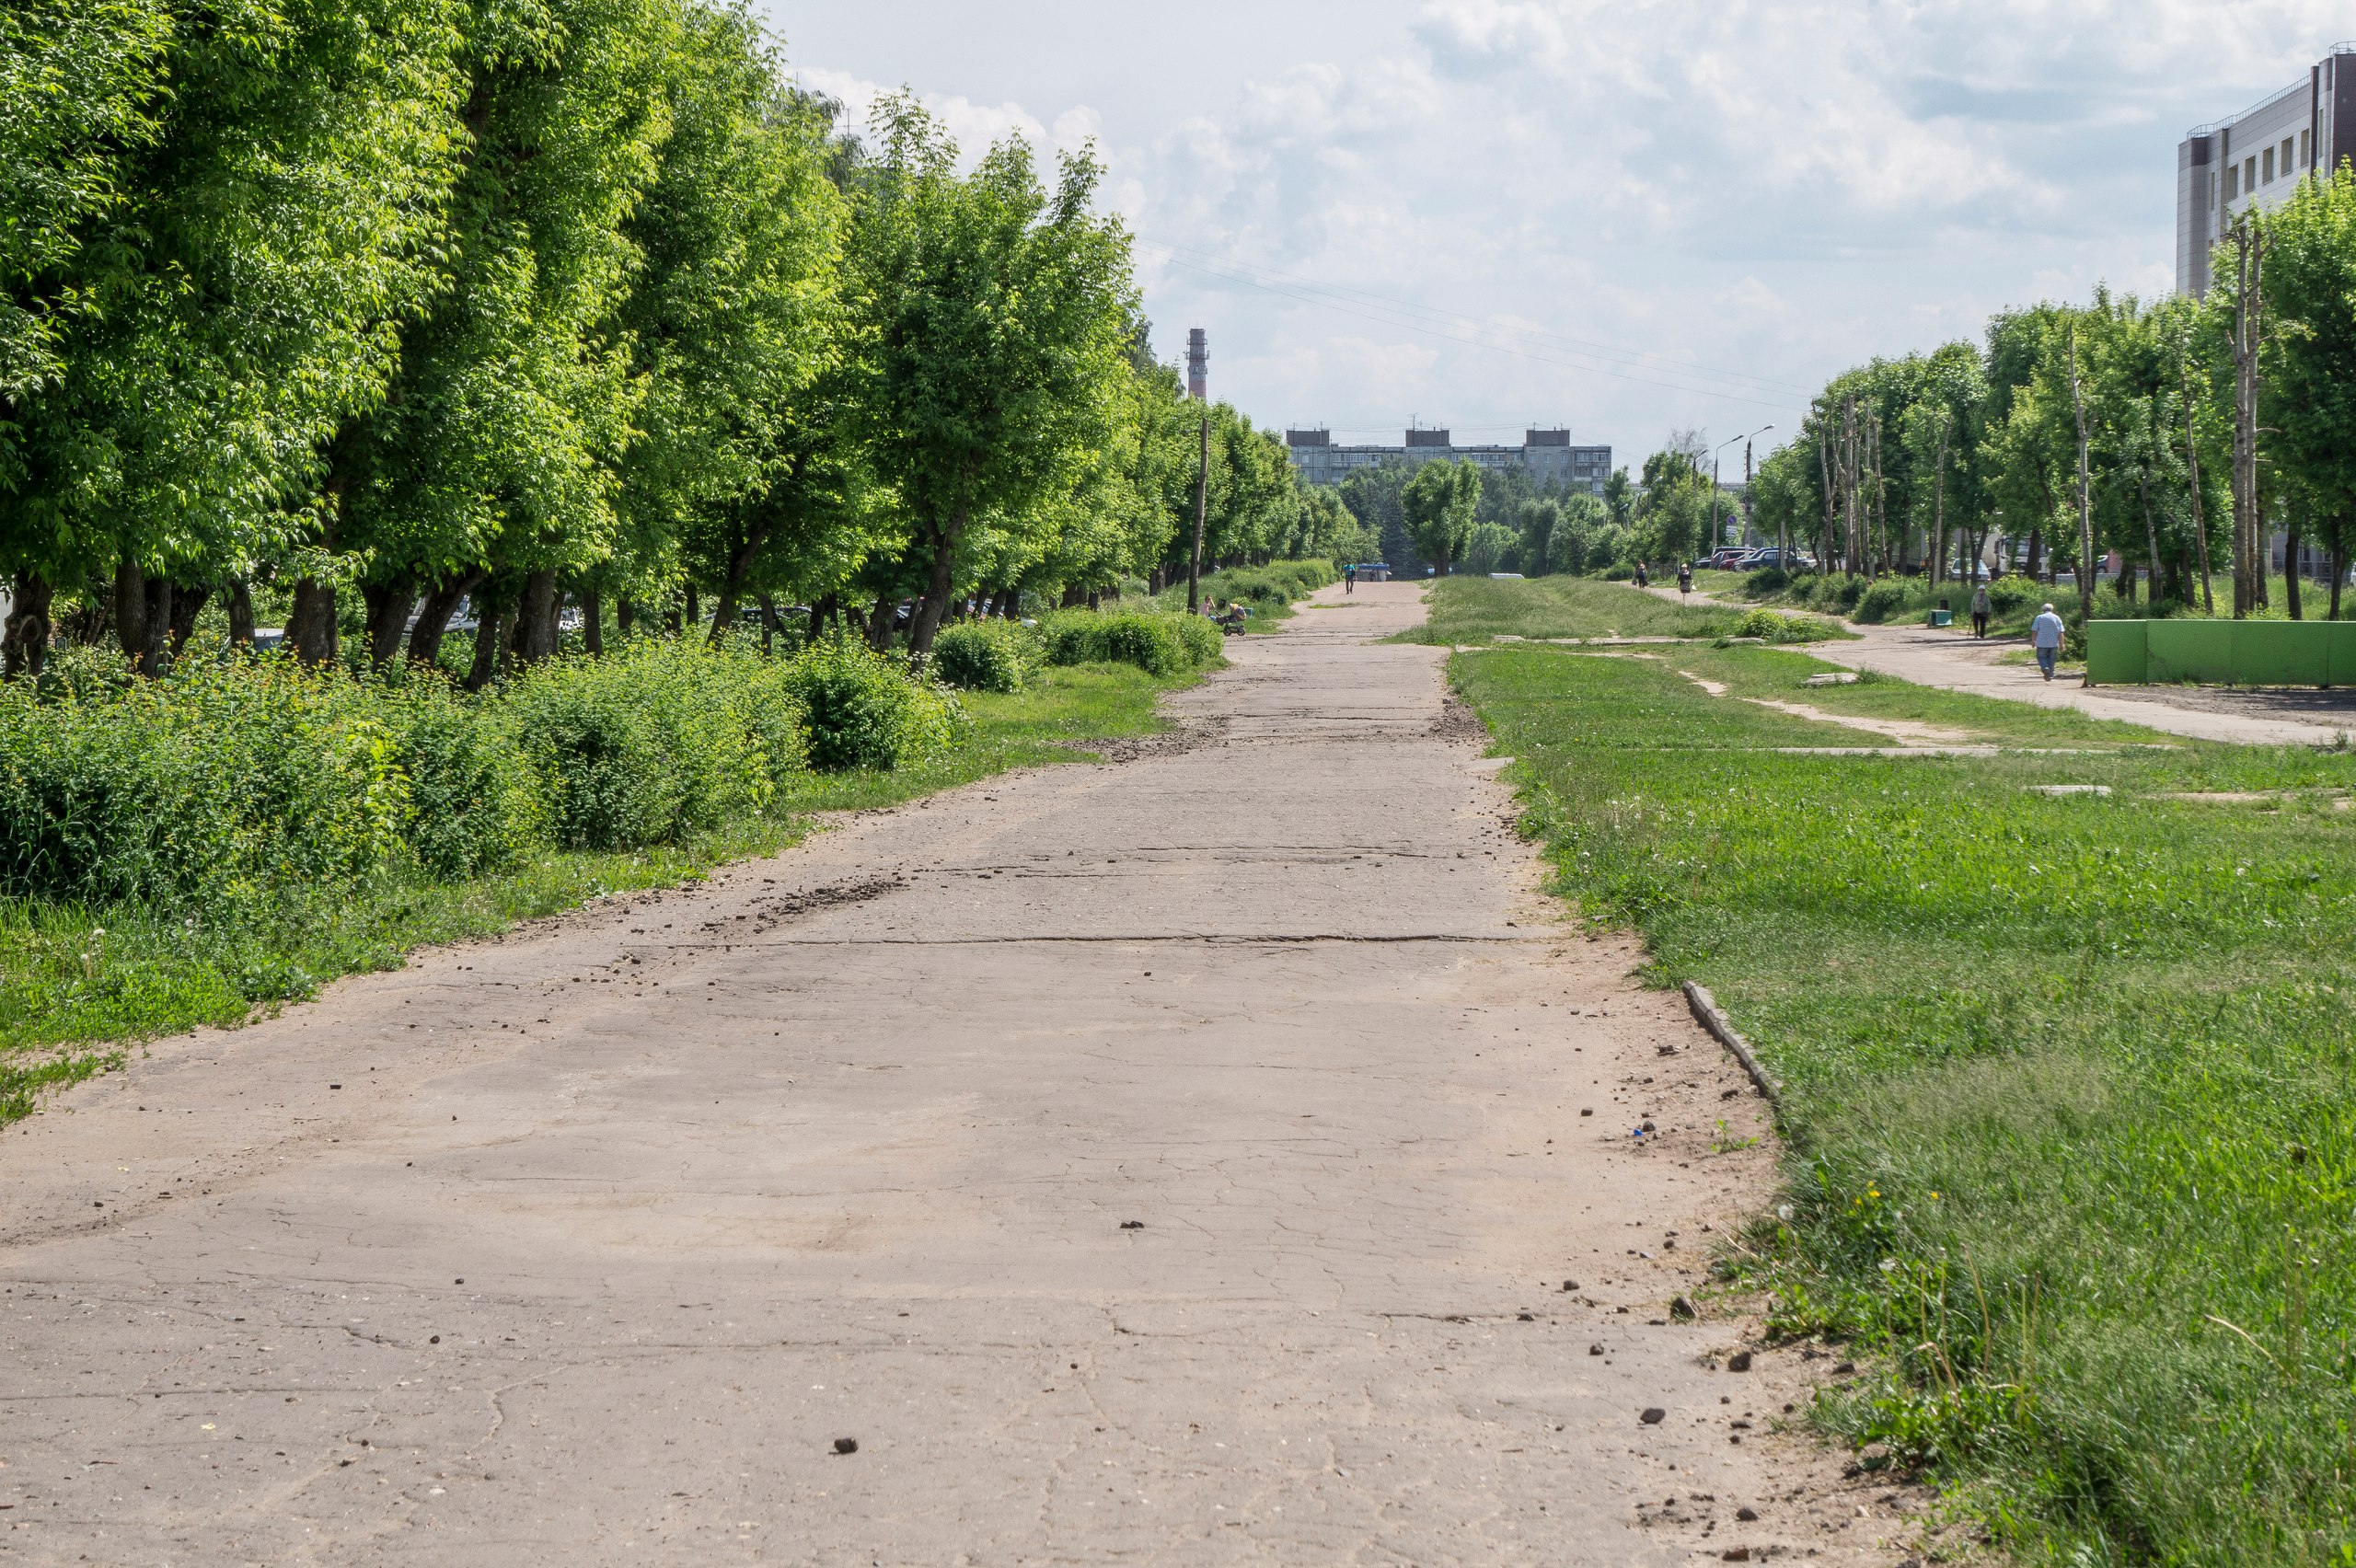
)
(1746, 479)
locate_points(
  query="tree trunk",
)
(131, 600)
(936, 597)
(879, 624)
(2338, 565)
(2249, 570)
(829, 608)
(2291, 540)
(2150, 537)
(625, 616)
(2192, 467)
(536, 618)
(433, 619)
(695, 612)
(768, 625)
(1939, 508)
(593, 622)
(187, 604)
(311, 623)
(486, 663)
(241, 615)
(740, 566)
(2035, 566)
(389, 605)
(24, 646)
(2085, 502)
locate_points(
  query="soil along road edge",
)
(1224, 1155)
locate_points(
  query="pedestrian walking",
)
(1980, 611)
(1643, 579)
(2045, 635)
(1684, 578)
(1350, 581)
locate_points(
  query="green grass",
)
(2073, 1146)
(1477, 610)
(79, 986)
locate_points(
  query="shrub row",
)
(229, 777)
(1158, 643)
(1278, 583)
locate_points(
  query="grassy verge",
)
(1477, 610)
(2072, 1149)
(78, 985)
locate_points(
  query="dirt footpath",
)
(1176, 1160)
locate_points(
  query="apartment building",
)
(1546, 456)
(2253, 159)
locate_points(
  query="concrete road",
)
(1174, 1160)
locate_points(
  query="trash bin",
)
(1942, 617)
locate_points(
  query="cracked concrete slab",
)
(1223, 1155)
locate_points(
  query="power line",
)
(1401, 313)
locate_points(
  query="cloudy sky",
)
(1621, 215)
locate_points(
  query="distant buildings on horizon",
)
(1546, 456)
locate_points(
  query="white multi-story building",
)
(2253, 159)
(1546, 456)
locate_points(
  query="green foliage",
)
(863, 711)
(1772, 628)
(1879, 600)
(1160, 644)
(659, 743)
(1278, 583)
(982, 655)
(1437, 504)
(1492, 547)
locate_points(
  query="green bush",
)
(1773, 627)
(1278, 583)
(2012, 591)
(982, 655)
(664, 739)
(1160, 644)
(232, 777)
(1767, 580)
(863, 710)
(1883, 599)
(215, 780)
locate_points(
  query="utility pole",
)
(1202, 505)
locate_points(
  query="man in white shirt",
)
(2045, 635)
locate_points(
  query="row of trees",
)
(382, 305)
(2184, 436)
(1442, 514)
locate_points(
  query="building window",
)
(2287, 165)
(2233, 181)
(2249, 175)
(2307, 149)
(2268, 167)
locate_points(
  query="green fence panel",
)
(2342, 660)
(2280, 652)
(2117, 651)
(2189, 650)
